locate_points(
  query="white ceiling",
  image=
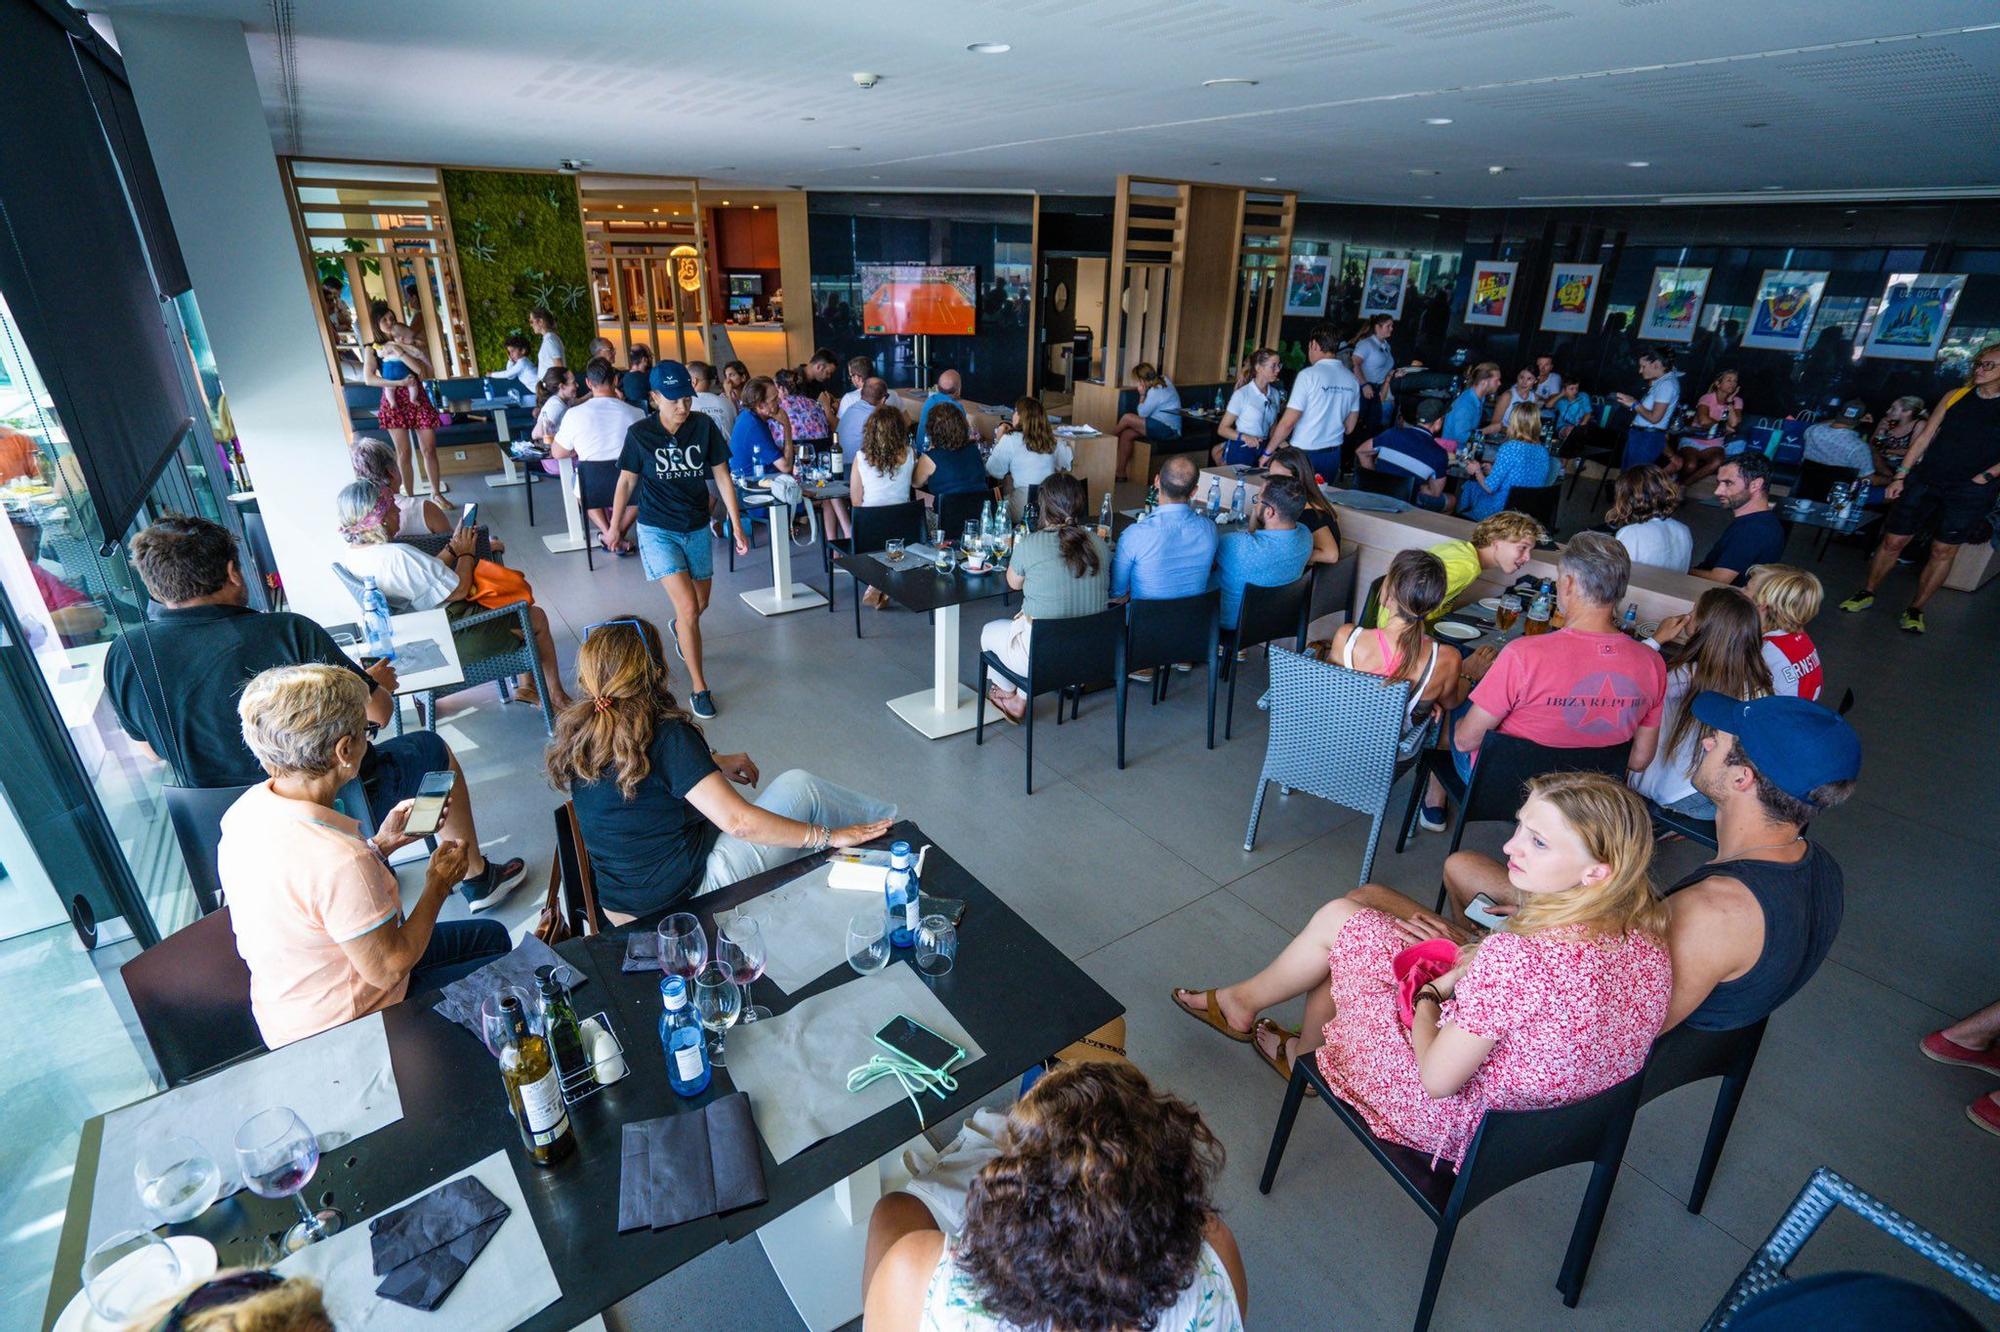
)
(1894, 97)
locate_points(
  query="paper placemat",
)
(508, 1283)
(795, 1065)
(913, 557)
(805, 927)
(341, 1082)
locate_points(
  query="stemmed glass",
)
(718, 1003)
(495, 1028)
(683, 946)
(278, 1155)
(176, 1178)
(740, 946)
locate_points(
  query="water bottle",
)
(1239, 501)
(1219, 400)
(900, 890)
(1104, 517)
(682, 1039)
(378, 641)
(1631, 622)
(1214, 496)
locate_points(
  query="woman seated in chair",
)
(1403, 648)
(1559, 1003)
(1717, 646)
(951, 465)
(456, 579)
(374, 460)
(1027, 452)
(1093, 1208)
(1062, 570)
(1523, 460)
(882, 470)
(316, 911)
(660, 820)
(1317, 517)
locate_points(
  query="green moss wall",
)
(520, 245)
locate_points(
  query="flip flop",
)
(1277, 1062)
(1213, 1017)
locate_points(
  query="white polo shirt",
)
(1324, 393)
(594, 429)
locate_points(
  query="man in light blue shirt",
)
(1170, 553)
(1271, 554)
(946, 391)
(854, 416)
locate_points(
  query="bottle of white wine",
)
(533, 1088)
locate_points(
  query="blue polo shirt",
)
(1466, 414)
(750, 443)
(1166, 554)
(923, 440)
(1410, 451)
(1266, 558)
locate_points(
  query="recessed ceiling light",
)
(808, 118)
(872, 204)
(1774, 187)
(843, 147)
(1850, 210)
(1756, 124)
(874, 178)
(989, 48)
(1495, 170)
(1638, 164)
(1268, 180)
(755, 207)
(1437, 120)
(1427, 196)
(1229, 83)
(1422, 171)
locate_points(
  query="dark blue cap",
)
(1799, 745)
(670, 379)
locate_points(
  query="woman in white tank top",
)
(885, 462)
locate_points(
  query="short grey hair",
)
(294, 716)
(1599, 564)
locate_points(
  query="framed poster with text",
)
(1572, 294)
(1782, 315)
(1492, 294)
(1916, 309)
(1306, 285)
(1383, 288)
(1672, 304)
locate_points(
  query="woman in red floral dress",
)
(1561, 1002)
(398, 366)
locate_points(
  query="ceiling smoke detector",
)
(572, 165)
(866, 80)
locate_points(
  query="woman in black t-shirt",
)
(659, 816)
(1317, 517)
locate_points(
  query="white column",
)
(204, 120)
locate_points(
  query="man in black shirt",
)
(174, 683)
(669, 459)
(1947, 478)
(1754, 535)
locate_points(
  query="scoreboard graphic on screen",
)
(918, 298)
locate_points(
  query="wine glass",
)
(718, 1003)
(176, 1178)
(740, 946)
(278, 1155)
(494, 1027)
(128, 1274)
(683, 946)
(868, 941)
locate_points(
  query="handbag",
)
(1417, 966)
(495, 585)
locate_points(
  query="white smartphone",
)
(1480, 911)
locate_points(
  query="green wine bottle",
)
(565, 1035)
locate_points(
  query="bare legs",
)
(690, 598)
(613, 542)
(401, 439)
(1130, 429)
(1977, 1032)
(458, 825)
(1467, 874)
(1935, 570)
(1299, 969)
(427, 443)
(1884, 559)
(1694, 464)
(545, 649)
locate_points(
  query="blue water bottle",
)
(901, 890)
(682, 1039)
(377, 639)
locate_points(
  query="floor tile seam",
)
(1083, 957)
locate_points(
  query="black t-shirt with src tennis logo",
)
(674, 470)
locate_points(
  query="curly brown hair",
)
(1642, 493)
(885, 438)
(946, 428)
(1092, 1216)
(622, 702)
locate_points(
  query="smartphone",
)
(1480, 911)
(369, 663)
(916, 1042)
(428, 811)
(470, 518)
(950, 908)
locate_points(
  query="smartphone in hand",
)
(427, 814)
(1481, 911)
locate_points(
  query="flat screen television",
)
(919, 298)
(746, 284)
(742, 302)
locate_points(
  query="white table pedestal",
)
(817, 1247)
(511, 475)
(783, 595)
(946, 708)
(573, 537)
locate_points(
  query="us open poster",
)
(1572, 296)
(1673, 303)
(1916, 310)
(1492, 292)
(1383, 289)
(1783, 312)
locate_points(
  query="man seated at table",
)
(1838, 441)
(859, 406)
(1170, 551)
(946, 391)
(593, 433)
(859, 370)
(1754, 535)
(317, 913)
(1412, 449)
(1746, 930)
(174, 682)
(1271, 554)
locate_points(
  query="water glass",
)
(868, 941)
(740, 946)
(718, 1002)
(494, 1027)
(176, 1177)
(937, 945)
(129, 1273)
(683, 946)
(893, 548)
(278, 1155)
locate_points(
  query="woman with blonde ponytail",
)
(659, 816)
(1560, 1002)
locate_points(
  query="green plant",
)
(328, 263)
(520, 244)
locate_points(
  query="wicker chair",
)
(1334, 734)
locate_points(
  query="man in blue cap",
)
(1747, 930)
(669, 459)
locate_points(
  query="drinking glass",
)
(937, 945)
(128, 1274)
(718, 1003)
(1537, 624)
(868, 941)
(278, 1155)
(1509, 612)
(683, 946)
(740, 946)
(494, 1027)
(176, 1178)
(971, 536)
(893, 548)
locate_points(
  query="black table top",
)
(919, 586)
(1014, 991)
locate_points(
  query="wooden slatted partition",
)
(1263, 256)
(630, 230)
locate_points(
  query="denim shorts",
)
(662, 553)
(1159, 431)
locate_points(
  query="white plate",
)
(1463, 633)
(198, 1263)
(1491, 603)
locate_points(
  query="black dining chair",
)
(1510, 1146)
(1267, 614)
(874, 528)
(574, 892)
(1817, 479)
(1334, 586)
(1685, 825)
(1392, 484)
(1591, 442)
(1686, 1055)
(1541, 503)
(1065, 656)
(1162, 634)
(191, 994)
(955, 511)
(196, 813)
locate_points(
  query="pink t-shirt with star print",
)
(1574, 690)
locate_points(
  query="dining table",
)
(916, 583)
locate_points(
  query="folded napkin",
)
(642, 952)
(684, 1167)
(422, 1249)
(461, 999)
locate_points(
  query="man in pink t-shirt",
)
(1582, 687)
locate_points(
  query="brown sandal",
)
(1213, 1017)
(1278, 1063)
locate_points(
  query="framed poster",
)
(1916, 309)
(1492, 292)
(1307, 283)
(1384, 287)
(1572, 293)
(1787, 299)
(1672, 303)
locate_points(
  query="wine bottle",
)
(564, 1035)
(533, 1088)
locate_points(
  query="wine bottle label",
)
(542, 1107)
(687, 1062)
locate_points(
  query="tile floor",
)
(1140, 876)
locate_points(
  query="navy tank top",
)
(959, 471)
(1802, 905)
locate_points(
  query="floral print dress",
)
(1207, 1304)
